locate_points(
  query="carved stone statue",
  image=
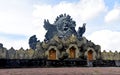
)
(51, 30)
(63, 27)
(1, 45)
(81, 30)
(32, 42)
(3, 51)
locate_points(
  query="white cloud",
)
(15, 19)
(15, 23)
(16, 44)
(81, 12)
(113, 15)
(109, 40)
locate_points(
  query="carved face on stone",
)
(64, 25)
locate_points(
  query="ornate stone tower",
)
(62, 41)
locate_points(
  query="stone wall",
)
(41, 53)
(16, 54)
(110, 55)
(62, 47)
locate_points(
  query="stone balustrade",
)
(110, 55)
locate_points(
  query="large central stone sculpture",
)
(62, 41)
(63, 27)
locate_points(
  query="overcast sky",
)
(20, 19)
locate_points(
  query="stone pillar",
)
(3, 52)
(11, 53)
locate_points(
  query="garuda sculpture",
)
(63, 27)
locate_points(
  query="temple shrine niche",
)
(90, 55)
(72, 52)
(52, 54)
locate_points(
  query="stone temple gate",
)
(62, 42)
(67, 42)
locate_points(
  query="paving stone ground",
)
(62, 71)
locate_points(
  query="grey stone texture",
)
(29, 53)
(20, 54)
(11, 53)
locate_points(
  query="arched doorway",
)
(52, 54)
(72, 52)
(90, 55)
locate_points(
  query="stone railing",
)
(36, 54)
(110, 55)
(18, 54)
